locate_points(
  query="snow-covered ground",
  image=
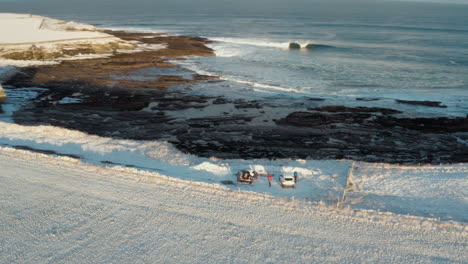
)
(26, 28)
(22, 32)
(427, 191)
(433, 191)
(61, 210)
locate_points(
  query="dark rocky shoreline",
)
(141, 107)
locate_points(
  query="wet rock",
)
(172, 106)
(436, 125)
(316, 99)
(423, 103)
(107, 72)
(367, 99)
(338, 109)
(294, 45)
(205, 77)
(220, 100)
(308, 119)
(249, 105)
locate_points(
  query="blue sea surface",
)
(386, 50)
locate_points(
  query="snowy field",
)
(22, 32)
(25, 28)
(438, 192)
(432, 191)
(61, 210)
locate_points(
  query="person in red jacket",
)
(270, 178)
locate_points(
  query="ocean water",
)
(384, 50)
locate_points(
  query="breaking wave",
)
(317, 46)
(269, 44)
(253, 42)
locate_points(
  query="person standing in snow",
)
(295, 176)
(270, 178)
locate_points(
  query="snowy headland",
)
(27, 28)
(71, 193)
(29, 37)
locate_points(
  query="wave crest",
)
(253, 42)
(317, 46)
(283, 45)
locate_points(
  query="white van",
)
(287, 181)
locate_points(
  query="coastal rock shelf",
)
(131, 96)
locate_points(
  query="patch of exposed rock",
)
(47, 51)
(367, 135)
(423, 103)
(339, 108)
(294, 45)
(114, 71)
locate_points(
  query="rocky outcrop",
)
(343, 109)
(367, 99)
(383, 121)
(58, 51)
(337, 132)
(294, 45)
(114, 71)
(423, 103)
